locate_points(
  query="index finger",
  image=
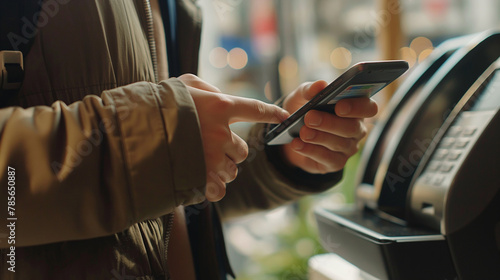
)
(252, 110)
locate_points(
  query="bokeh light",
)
(341, 58)
(288, 67)
(409, 55)
(422, 47)
(420, 44)
(268, 91)
(218, 57)
(237, 58)
(424, 54)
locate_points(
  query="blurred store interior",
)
(266, 48)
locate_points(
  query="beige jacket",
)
(95, 180)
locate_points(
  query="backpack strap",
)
(11, 70)
(18, 21)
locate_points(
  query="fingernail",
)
(314, 119)
(298, 145)
(344, 109)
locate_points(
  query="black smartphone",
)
(363, 79)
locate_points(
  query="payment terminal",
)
(428, 186)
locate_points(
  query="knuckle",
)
(260, 109)
(213, 164)
(193, 81)
(215, 190)
(188, 77)
(351, 146)
(354, 129)
(340, 162)
(363, 130)
(305, 86)
(243, 151)
(335, 161)
(322, 169)
(342, 145)
(230, 172)
(354, 147)
(233, 172)
(223, 102)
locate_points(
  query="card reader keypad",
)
(448, 153)
(452, 147)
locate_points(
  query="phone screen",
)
(354, 91)
(361, 80)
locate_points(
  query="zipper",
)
(151, 38)
(169, 220)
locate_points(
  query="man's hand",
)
(326, 140)
(223, 148)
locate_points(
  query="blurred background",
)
(265, 48)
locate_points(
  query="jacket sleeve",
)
(97, 166)
(266, 181)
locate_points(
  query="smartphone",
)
(363, 79)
